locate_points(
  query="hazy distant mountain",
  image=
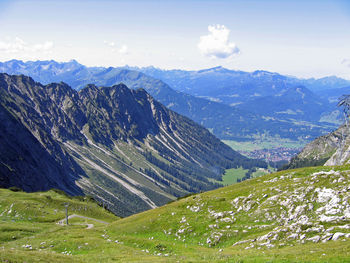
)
(262, 92)
(297, 103)
(248, 90)
(218, 87)
(332, 95)
(231, 86)
(326, 83)
(221, 84)
(119, 145)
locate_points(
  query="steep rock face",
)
(117, 113)
(119, 145)
(30, 158)
(341, 154)
(330, 149)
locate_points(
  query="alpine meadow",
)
(174, 131)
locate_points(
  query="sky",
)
(306, 38)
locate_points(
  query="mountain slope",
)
(118, 145)
(260, 92)
(219, 84)
(296, 103)
(302, 209)
(291, 216)
(233, 86)
(30, 157)
(330, 149)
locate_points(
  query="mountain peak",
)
(117, 144)
(260, 73)
(214, 69)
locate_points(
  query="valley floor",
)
(272, 149)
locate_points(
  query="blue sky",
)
(301, 38)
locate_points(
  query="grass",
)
(231, 175)
(152, 228)
(260, 172)
(177, 232)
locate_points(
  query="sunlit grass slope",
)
(298, 215)
(280, 217)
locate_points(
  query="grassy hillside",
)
(300, 215)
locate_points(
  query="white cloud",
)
(46, 46)
(111, 44)
(13, 46)
(346, 62)
(216, 44)
(123, 50)
(18, 45)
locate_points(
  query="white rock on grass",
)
(226, 220)
(324, 218)
(293, 236)
(242, 242)
(314, 239)
(264, 237)
(337, 235)
(195, 209)
(327, 237)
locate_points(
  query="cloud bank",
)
(216, 44)
(109, 43)
(17, 45)
(346, 62)
(122, 50)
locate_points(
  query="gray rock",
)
(337, 235)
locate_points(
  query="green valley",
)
(174, 131)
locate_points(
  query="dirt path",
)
(89, 226)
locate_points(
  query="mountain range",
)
(231, 104)
(286, 98)
(234, 86)
(118, 145)
(131, 153)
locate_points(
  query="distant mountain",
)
(216, 86)
(332, 95)
(248, 90)
(298, 103)
(232, 86)
(326, 83)
(223, 85)
(119, 145)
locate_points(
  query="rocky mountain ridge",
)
(243, 120)
(119, 145)
(330, 149)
